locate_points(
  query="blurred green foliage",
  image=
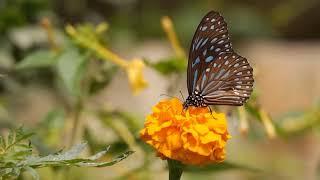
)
(169, 66)
(74, 74)
(15, 13)
(16, 156)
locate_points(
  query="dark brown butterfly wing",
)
(227, 81)
(210, 40)
(219, 74)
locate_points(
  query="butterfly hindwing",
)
(210, 39)
(227, 81)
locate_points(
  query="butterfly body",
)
(216, 74)
(195, 99)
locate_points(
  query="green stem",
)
(175, 169)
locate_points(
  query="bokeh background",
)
(279, 38)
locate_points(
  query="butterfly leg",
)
(211, 112)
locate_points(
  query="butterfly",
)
(216, 74)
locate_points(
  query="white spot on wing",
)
(214, 40)
(204, 52)
(204, 28)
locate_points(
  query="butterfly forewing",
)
(210, 39)
(219, 74)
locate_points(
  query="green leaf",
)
(69, 158)
(11, 138)
(296, 123)
(37, 59)
(169, 66)
(219, 167)
(71, 67)
(52, 158)
(18, 158)
(104, 164)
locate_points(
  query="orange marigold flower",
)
(192, 136)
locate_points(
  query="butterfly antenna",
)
(182, 96)
(167, 95)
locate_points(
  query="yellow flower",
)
(192, 136)
(134, 68)
(134, 71)
(167, 26)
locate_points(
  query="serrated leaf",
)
(22, 135)
(219, 167)
(19, 158)
(52, 158)
(104, 164)
(71, 67)
(69, 158)
(37, 59)
(99, 154)
(5, 171)
(11, 138)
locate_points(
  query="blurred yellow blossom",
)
(135, 76)
(270, 129)
(168, 28)
(192, 136)
(134, 68)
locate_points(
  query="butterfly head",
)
(195, 99)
